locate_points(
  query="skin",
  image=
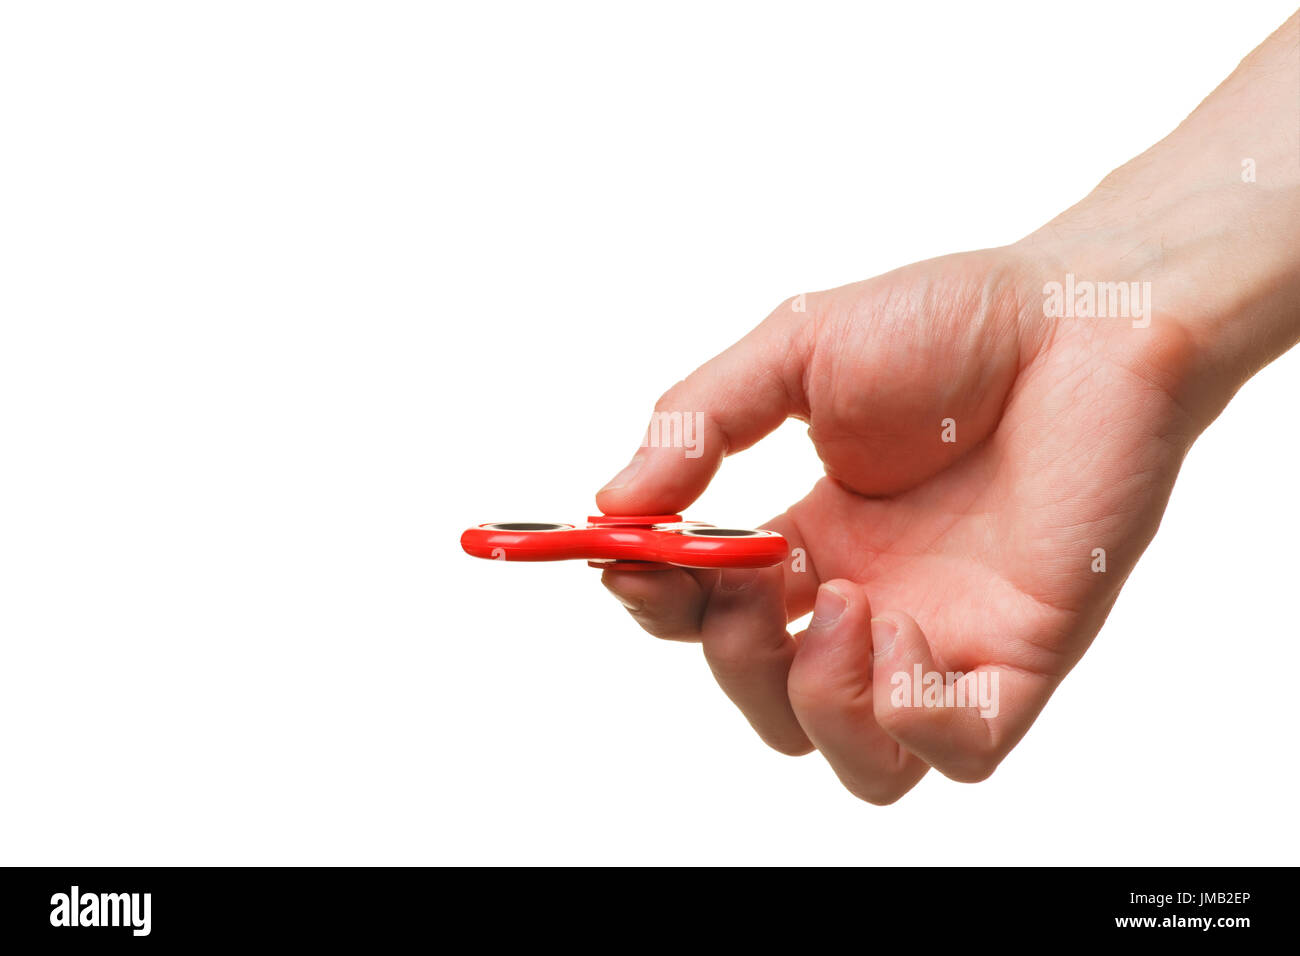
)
(977, 555)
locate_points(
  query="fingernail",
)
(736, 579)
(830, 605)
(883, 632)
(625, 476)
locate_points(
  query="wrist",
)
(1203, 229)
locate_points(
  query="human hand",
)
(975, 554)
(996, 555)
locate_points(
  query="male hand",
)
(999, 553)
(974, 555)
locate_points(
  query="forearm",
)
(1210, 216)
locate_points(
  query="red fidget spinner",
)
(627, 542)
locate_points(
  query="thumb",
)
(724, 406)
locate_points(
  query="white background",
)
(290, 294)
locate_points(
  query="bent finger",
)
(749, 651)
(962, 724)
(831, 688)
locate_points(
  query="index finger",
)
(724, 406)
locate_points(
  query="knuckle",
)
(730, 657)
(792, 748)
(972, 761)
(959, 753)
(667, 625)
(671, 400)
(876, 798)
(893, 720)
(815, 690)
(789, 740)
(809, 690)
(796, 306)
(971, 767)
(879, 792)
(669, 631)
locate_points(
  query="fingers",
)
(831, 689)
(669, 604)
(749, 651)
(740, 618)
(724, 406)
(798, 573)
(960, 724)
(866, 691)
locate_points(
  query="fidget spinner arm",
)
(627, 542)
